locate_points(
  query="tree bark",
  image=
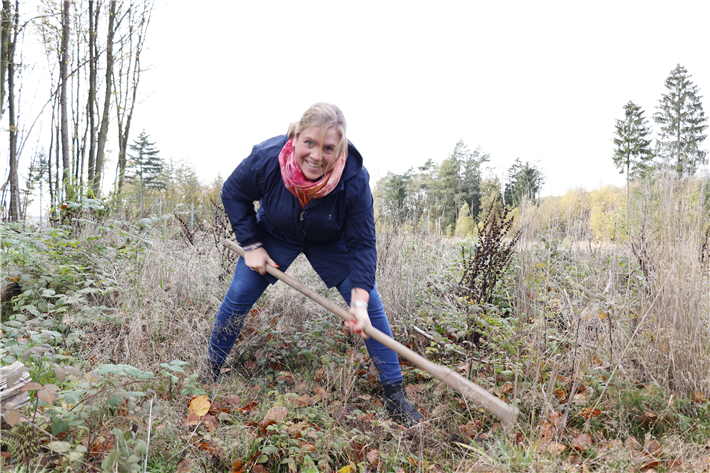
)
(107, 103)
(13, 178)
(5, 27)
(90, 106)
(64, 118)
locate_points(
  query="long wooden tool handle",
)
(506, 413)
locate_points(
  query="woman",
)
(315, 199)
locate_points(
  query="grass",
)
(606, 363)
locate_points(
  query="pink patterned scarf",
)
(304, 189)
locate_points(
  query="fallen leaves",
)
(276, 414)
(582, 442)
(199, 406)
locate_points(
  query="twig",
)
(423, 333)
(150, 426)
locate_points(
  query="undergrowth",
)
(112, 317)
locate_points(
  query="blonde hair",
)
(324, 115)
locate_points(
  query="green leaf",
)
(111, 461)
(59, 446)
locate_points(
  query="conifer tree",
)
(682, 121)
(145, 166)
(633, 153)
(524, 181)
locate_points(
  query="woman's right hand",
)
(258, 259)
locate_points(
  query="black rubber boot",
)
(211, 372)
(399, 406)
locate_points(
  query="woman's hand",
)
(258, 259)
(359, 322)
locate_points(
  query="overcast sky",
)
(541, 81)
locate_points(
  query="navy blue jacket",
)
(335, 232)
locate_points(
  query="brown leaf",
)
(649, 417)
(233, 399)
(582, 442)
(632, 444)
(556, 418)
(47, 395)
(303, 401)
(236, 467)
(191, 419)
(652, 447)
(5, 455)
(561, 394)
(589, 413)
(373, 456)
(555, 448)
(470, 429)
(210, 422)
(308, 447)
(31, 386)
(322, 394)
(185, 466)
(276, 413)
(12, 416)
(320, 375)
(248, 407)
(507, 388)
(286, 377)
(199, 406)
(547, 431)
(697, 396)
(259, 469)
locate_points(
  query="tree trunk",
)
(107, 103)
(13, 178)
(64, 118)
(5, 27)
(90, 106)
(133, 74)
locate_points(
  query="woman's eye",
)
(308, 142)
(329, 149)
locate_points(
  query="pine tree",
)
(682, 121)
(524, 181)
(145, 165)
(633, 153)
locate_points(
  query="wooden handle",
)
(482, 398)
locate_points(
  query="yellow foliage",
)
(608, 214)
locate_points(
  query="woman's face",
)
(313, 156)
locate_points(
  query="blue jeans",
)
(246, 288)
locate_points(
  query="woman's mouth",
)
(312, 165)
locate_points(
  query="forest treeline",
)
(453, 196)
(93, 53)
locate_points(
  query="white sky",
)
(537, 80)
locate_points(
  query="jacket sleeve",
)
(359, 234)
(239, 192)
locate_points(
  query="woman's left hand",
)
(359, 322)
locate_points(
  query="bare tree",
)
(129, 73)
(103, 132)
(13, 178)
(63, 113)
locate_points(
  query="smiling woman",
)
(315, 199)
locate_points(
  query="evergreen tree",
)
(145, 166)
(633, 153)
(682, 121)
(524, 181)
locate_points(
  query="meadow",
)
(600, 338)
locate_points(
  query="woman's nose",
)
(316, 154)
